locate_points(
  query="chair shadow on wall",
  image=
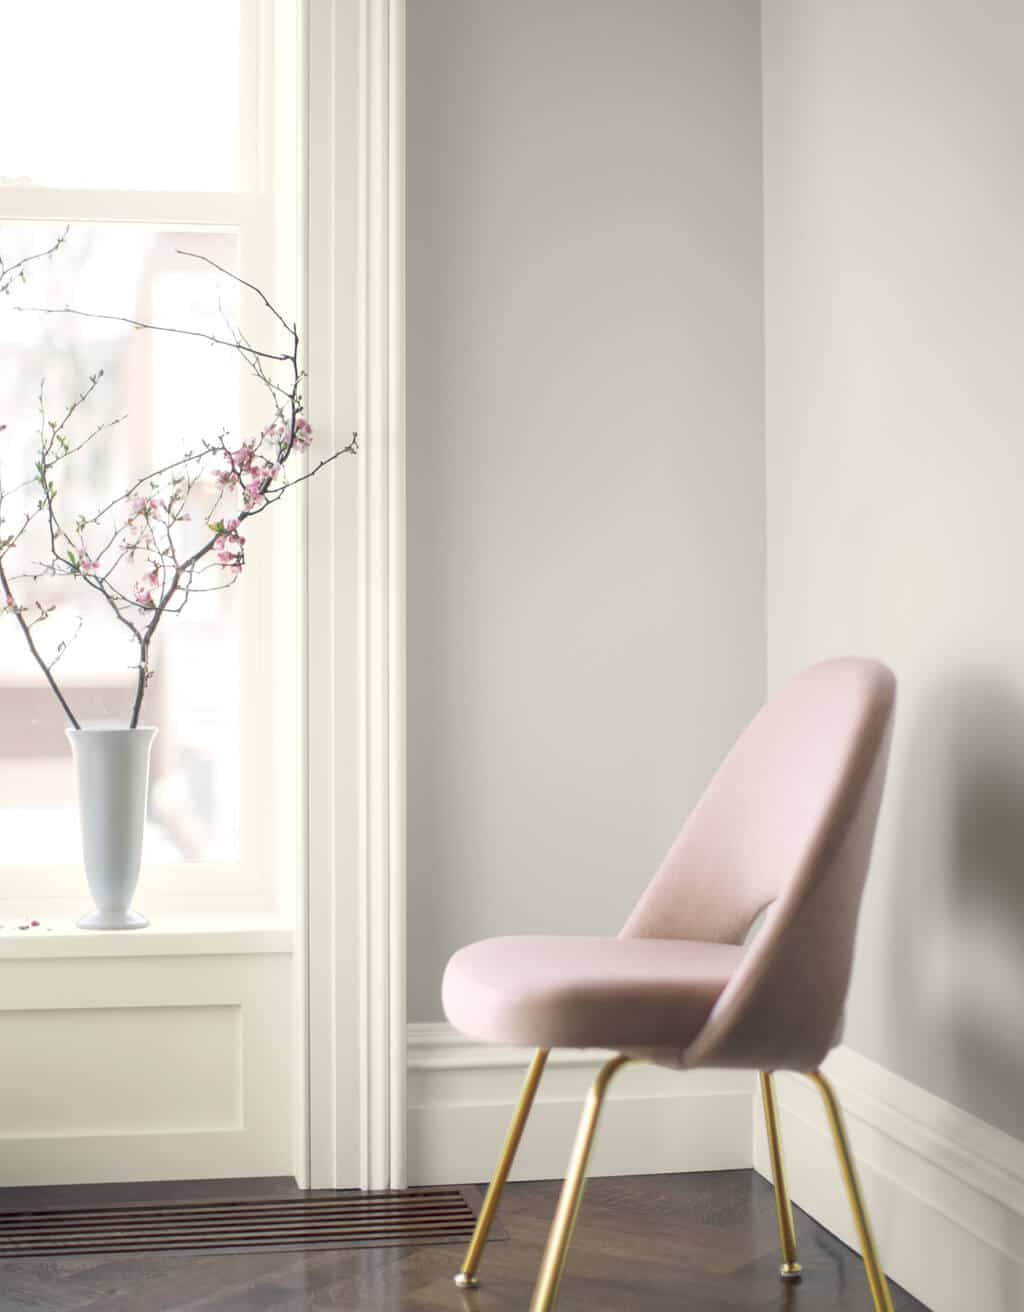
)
(957, 897)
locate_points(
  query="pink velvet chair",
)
(786, 824)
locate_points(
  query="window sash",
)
(265, 215)
(205, 209)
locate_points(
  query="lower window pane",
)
(175, 390)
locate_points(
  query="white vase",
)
(112, 766)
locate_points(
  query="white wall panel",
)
(180, 1071)
(138, 1068)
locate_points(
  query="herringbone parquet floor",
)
(685, 1243)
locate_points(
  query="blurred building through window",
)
(128, 130)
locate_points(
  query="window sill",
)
(173, 936)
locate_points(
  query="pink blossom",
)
(229, 546)
(141, 536)
(242, 458)
(259, 477)
(87, 565)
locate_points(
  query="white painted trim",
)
(396, 726)
(146, 1068)
(462, 1094)
(187, 937)
(302, 1132)
(382, 483)
(332, 953)
(945, 1191)
(355, 907)
(181, 208)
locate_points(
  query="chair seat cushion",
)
(555, 992)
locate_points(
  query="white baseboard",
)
(945, 1191)
(462, 1095)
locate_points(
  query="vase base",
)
(113, 920)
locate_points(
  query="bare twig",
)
(26, 630)
(9, 273)
(154, 327)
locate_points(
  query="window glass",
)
(123, 94)
(174, 390)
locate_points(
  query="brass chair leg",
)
(790, 1268)
(466, 1278)
(557, 1250)
(876, 1276)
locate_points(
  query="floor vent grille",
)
(319, 1220)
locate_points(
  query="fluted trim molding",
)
(354, 910)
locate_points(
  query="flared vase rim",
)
(111, 729)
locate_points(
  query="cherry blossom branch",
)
(291, 329)
(152, 517)
(136, 323)
(190, 457)
(240, 463)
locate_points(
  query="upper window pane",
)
(118, 94)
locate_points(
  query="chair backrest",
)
(787, 823)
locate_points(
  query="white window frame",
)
(345, 872)
(265, 213)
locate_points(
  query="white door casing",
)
(353, 907)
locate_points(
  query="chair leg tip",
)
(791, 1271)
(466, 1281)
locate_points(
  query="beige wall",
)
(585, 446)
(894, 248)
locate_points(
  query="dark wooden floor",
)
(644, 1244)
